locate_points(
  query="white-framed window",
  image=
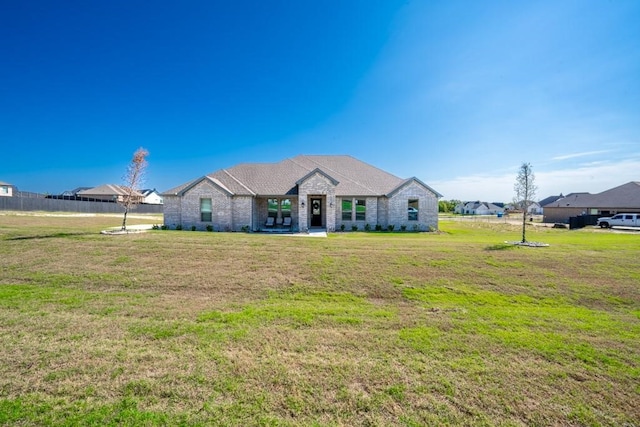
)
(205, 210)
(4, 189)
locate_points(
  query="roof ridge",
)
(239, 182)
(342, 175)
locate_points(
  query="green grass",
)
(187, 328)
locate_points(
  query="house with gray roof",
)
(6, 189)
(478, 208)
(110, 193)
(301, 193)
(620, 199)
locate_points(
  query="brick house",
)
(620, 199)
(302, 193)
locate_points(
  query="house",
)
(73, 193)
(478, 208)
(109, 193)
(6, 189)
(151, 197)
(624, 198)
(315, 191)
(534, 208)
(547, 201)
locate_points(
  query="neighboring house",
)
(547, 201)
(534, 209)
(6, 189)
(478, 208)
(109, 192)
(74, 192)
(624, 198)
(151, 197)
(307, 191)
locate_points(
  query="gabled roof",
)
(317, 171)
(148, 191)
(410, 180)
(107, 190)
(626, 196)
(550, 199)
(351, 176)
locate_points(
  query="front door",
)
(316, 212)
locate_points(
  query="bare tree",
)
(133, 179)
(525, 189)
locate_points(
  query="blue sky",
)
(457, 93)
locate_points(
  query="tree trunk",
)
(524, 225)
(124, 219)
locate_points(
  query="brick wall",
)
(317, 185)
(427, 208)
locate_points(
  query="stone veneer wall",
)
(317, 185)
(427, 208)
(186, 211)
(371, 213)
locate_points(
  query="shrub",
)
(209, 227)
(155, 227)
(354, 227)
(193, 228)
(390, 227)
(179, 227)
(164, 227)
(378, 227)
(342, 227)
(367, 227)
(403, 227)
(245, 228)
(416, 227)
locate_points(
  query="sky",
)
(456, 93)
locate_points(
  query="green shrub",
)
(245, 228)
(367, 227)
(193, 228)
(416, 227)
(155, 227)
(179, 227)
(164, 227)
(378, 227)
(390, 227)
(209, 227)
(342, 227)
(354, 227)
(403, 227)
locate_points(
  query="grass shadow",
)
(500, 247)
(51, 236)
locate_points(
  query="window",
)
(205, 210)
(285, 207)
(273, 208)
(347, 209)
(4, 189)
(413, 210)
(361, 210)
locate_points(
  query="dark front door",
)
(316, 212)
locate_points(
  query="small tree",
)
(525, 189)
(133, 180)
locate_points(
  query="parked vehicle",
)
(620, 220)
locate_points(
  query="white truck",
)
(620, 220)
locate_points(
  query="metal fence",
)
(42, 203)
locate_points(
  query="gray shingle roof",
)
(353, 177)
(626, 196)
(107, 190)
